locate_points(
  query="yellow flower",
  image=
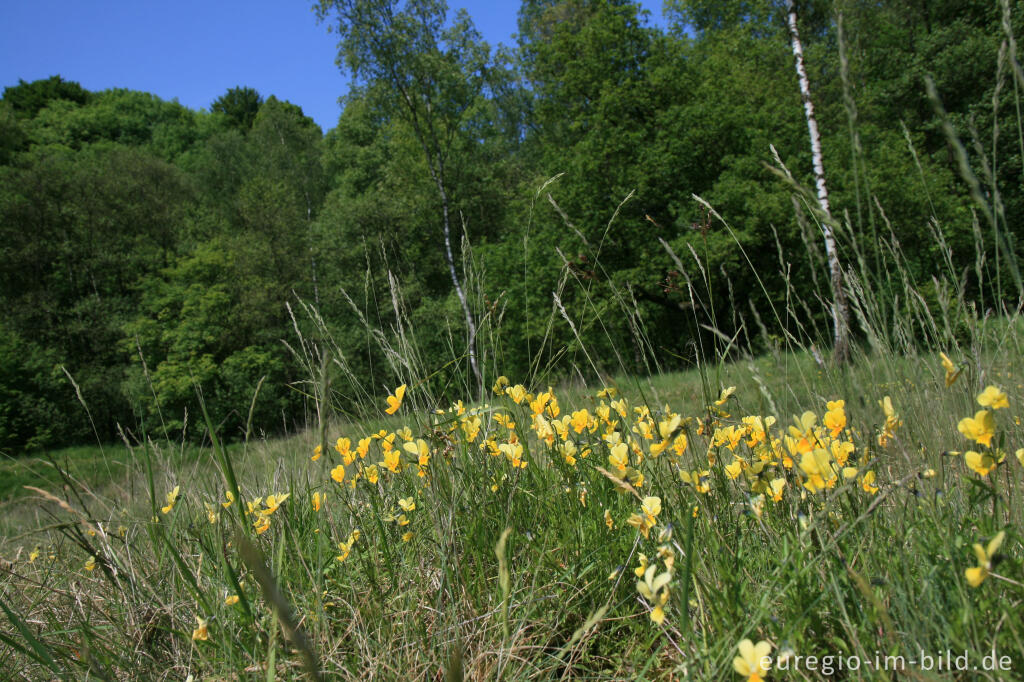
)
(172, 497)
(868, 483)
(733, 470)
(33, 555)
(230, 499)
(338, 473)
(619, 457)
(679, 444)
(364, 447)
(980, 463)
(976, 576)
(892, 422)
(344, 448)
(392, 461)
(318, 500)
(419, 449)
(952, 373)
(395, 401)
(500, 385)
(372, 474)
(517, 393)
(406, 536)
(274, 503)
(514, 453)
(724, 395)
(346, 547)
(817, 466)
(317, 452)
(655, 590)
(980, 428)
(651, 507)
(700, 480)
(608, 520)
(261, 524)
(642, 568)
(993, 397)
(407, 504)
(568, 450)
(90, 563)
(201, 632)
(405, 433)
(231, 600)
(1020, 455)
(835, 418)
(753, 662)
(211, 512)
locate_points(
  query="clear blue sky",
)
(194, 50)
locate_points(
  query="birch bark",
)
(840, 310)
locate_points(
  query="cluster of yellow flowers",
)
(981, 428)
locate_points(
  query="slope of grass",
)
(499, 570)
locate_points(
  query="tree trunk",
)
(470, 324)
(840, 311)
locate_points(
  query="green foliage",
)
(561, 172)
(240, 105)
(27, 99)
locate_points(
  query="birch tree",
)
(840, 310)
(432, 77)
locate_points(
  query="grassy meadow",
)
(640, 528)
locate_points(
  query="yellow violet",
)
(753, 662)
(395, 401)
(980, 463)
(952, 373)
(338, 473)
(274, 503)
(231, 600)
(993, 397)
(344, 448)
(201, 632)
(976, 576)
(724, 395)
(90, 563)
(261, 524)
(407, 504)
(655, 590)
(317, 452)
(172, 497)
(318, 500)
(980, 428)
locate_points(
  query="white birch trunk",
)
(840, 313)
(470, 324)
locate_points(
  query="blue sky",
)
(194, 50)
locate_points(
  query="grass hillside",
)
(642, 528)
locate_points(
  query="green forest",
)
(538, 210)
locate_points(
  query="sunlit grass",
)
(615, 562)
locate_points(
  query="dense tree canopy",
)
(147, 250)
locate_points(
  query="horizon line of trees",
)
(146, 248)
